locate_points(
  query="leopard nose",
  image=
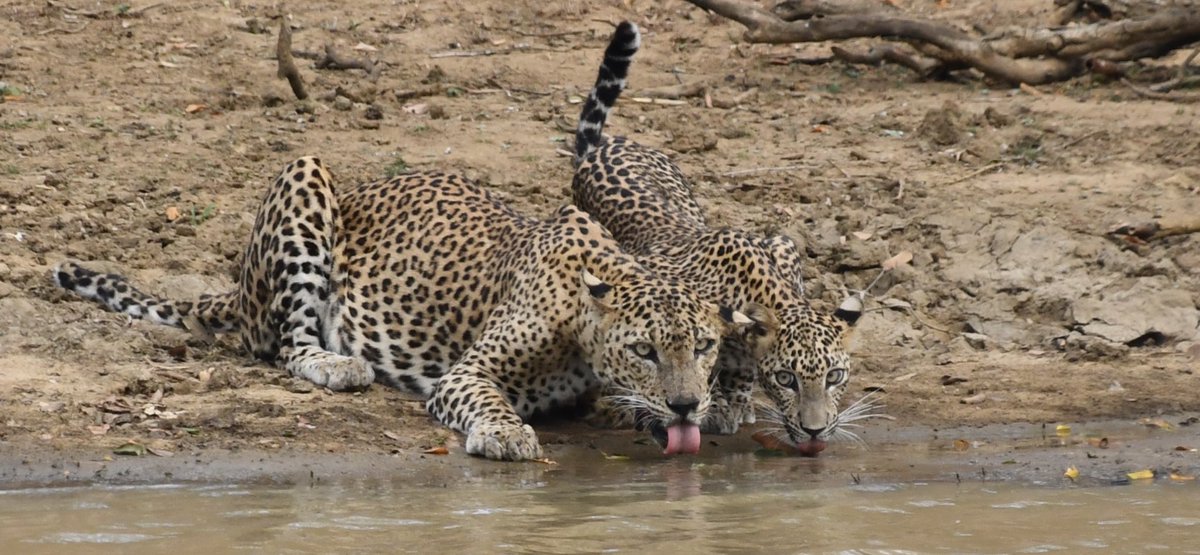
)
(683, 407)
(812, 432)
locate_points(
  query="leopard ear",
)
(595, 290)
(735, 322)
(763, 329)
(850, 310)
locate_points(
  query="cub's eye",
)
(786, 379)
(835, 377)
(645, 350)
(704, 346)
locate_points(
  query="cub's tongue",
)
(683, 438)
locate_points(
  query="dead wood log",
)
(1016, 56)
(287, 66)
(1095, 10)
(891, 53)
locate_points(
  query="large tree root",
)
(1032, 56)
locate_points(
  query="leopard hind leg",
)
(289, 281)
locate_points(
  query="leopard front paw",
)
(725, 418)
(337, 372)
(504, 442)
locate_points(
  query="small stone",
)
(342, 104)
(373, 112)
(976, 340)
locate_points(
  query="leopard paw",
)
(504, 442)
(337, 372)
(724, 419)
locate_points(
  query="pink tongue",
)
(683, 438)
(810, 448)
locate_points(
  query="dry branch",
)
(1033, 56)
(1148, 231)
(795, 10)
(287, 66)
(891, 53)
(336, 60)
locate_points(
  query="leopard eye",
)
(645, 350)
(786, 379)
(704, 346)
(835, 377)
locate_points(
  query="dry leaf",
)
(904, 257)
(614, 457)
(98, 429)
(1072, 473)
(172, 213)
(1181, 477)
(905, 377)
(961, 445)
(439, 450)
(1183, 448)
(1062, 430)
(862, 235)
(545, 460)
(364, 47)
(1101, 442)
(574, 99)
(1141, 475)
(392, 435)
(193, 108)
(416, 109)
(820, 129)
(165, 63)
(131, 449)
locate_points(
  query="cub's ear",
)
(850, 310)
(595, 291)
(754, 324)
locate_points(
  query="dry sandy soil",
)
(1015, 301)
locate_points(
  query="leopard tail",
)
(609, 83)
(210, 313)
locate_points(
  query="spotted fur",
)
(429, 283)
(794, 353)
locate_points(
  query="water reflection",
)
(734, 504)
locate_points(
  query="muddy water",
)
(729, 504)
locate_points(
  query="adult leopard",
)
(427, 282)
(795, 353)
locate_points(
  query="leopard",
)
(430, 283)
(795, 354)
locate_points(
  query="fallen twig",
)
(490, 52)
(975, 173)
(287, 66)
(1173, 96)
(1182, 79)
(64, 30)
(772, 169)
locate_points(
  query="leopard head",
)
(654, 346)
(803, 368)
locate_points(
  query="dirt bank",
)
(143, 143)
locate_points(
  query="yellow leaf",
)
(545, 461)
(614, 457)
(1141, 475)
(1062, 430)
(1071, 473)
(961, 445)
(440, 450)
(172, 213)
(1155, 423)
(1182, 477)
(193, 108)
